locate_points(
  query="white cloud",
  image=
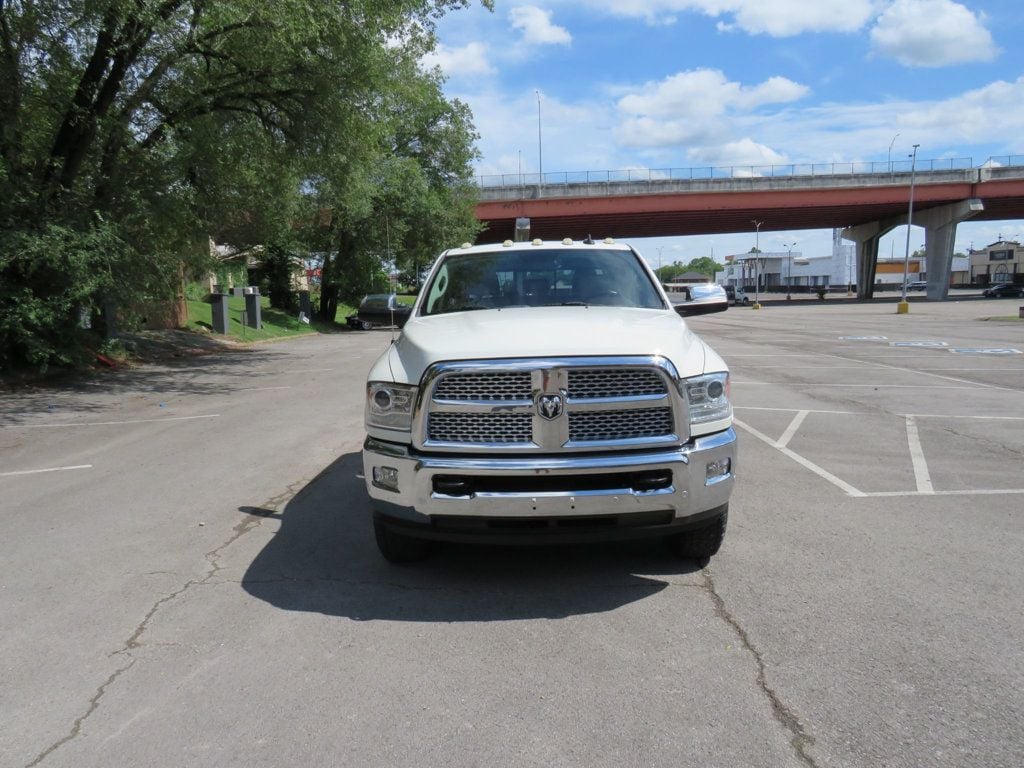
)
(932, 33)
(778, 18)
(701, 93)
(746, 151)
(468, 61)
(694, 107)
(536, 26)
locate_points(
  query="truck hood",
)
(531, 332)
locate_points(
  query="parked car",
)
(1003, 290)
(379, 309)
(736, 295)
(917, 285)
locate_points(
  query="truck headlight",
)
(390, 405)
(708, 397)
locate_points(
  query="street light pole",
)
(789, 269)
(890, 154)
(757, 256)
(540, 146)
(903, 307)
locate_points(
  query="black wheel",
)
(397, 548)
(365, 325)
(700, 543)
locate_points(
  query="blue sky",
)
(687, 83)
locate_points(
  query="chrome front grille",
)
(620, 425)
(512, 385)
(586, 383)
(496, 428)
(589, 404)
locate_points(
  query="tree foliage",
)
(133, 130)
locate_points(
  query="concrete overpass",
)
(865, 205)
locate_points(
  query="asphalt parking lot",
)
(188, 575)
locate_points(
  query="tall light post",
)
(757, 257)
(903, 307)
(889, 163)
(540, 146)
(789, 269)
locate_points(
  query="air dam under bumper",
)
(568, 497)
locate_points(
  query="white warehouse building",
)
(775, 271)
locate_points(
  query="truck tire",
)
(397, 548)
(700, 543)
(366, 325)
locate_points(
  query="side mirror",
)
(691, 308)
(702, 300)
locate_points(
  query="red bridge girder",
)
(700, 213)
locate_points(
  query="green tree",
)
(405, 192)
(704, 264)
(152, 124)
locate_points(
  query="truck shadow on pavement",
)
(323, 559)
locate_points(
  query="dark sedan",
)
(1003, 290)
(379, 309)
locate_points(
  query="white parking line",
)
(921, 476)
(961, 416)
(107, 423)
(257, 389)
(823, 473)
(996, 492)
(872, 386)
(794, 425)
(795, 410)
(861, 367)
(39, 471)
(974, 384)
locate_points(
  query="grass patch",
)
(276, 323)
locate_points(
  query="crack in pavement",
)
(212, 557)
(800, 740)
(76, 727)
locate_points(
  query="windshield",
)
(540, 278)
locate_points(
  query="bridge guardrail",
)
(706, 173)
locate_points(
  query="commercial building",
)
(781, 271)
(999, 262)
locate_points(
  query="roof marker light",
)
(609, 241)
(466, 245)
(507, 244)
(536, 241)
(567, 241)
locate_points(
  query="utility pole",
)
(757, 257)
(904, 306)
(789, 269)
(540, 145)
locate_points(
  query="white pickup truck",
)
(548, 391)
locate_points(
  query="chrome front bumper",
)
(702, 477)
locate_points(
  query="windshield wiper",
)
(569, 304)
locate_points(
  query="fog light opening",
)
(386, 478)
(718, 469)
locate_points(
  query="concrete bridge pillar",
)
(939, 239)
(940, 233)
(866, 236)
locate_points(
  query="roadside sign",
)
(863, 338)
(984, 351)
(918, 344)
